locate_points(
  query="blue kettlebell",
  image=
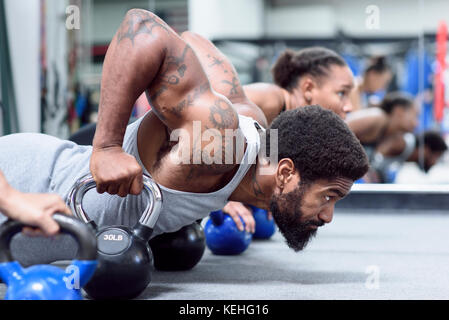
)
(264, 228)
(46, 282)
(223, 237)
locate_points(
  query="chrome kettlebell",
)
(125, 260)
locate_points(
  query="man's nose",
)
(326, 215)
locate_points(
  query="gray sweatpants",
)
(40, 163)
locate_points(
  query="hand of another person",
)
(35, 210)
(237, 210)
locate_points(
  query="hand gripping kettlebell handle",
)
(148, 218)
(87, 242)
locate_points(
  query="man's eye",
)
(342, 93)
(328, 198)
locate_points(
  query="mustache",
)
(319, 223)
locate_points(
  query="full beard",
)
(287, 214)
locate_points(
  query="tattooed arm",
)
(223, 76)
(147, 55)
(132, 60)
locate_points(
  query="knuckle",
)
(232, 213)
(246, 214)
(122, 193)
(101, 189)
(38, 217)
(57, 199)
(138, 169)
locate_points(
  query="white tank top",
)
(182, 208)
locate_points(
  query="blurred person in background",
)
(397, 114)
(314, 75)
(394, 151)
(371, 87)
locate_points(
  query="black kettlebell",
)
(180, 250)
(46, 282)
(125, 260)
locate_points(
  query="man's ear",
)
(307, 85)
(285, 172)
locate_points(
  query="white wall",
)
(397, 18)
(314, 18)
(108, 17)
(231, 18)
(305, 21)
(23, 18)
(324, 17)
(108, 14)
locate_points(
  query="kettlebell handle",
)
(84, 235)
(217, 217)
(151, 189)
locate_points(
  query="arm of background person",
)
(270, 98)
(367, 124)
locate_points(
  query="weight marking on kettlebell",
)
(113, 237)
(113, 241)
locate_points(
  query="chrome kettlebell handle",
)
(148, 218)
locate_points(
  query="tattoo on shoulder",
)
(173, 68)
(215, 61)
(158, 92)
(189, 100)
(222, 115)
(139, 22)
(235, 84)
(173, 62)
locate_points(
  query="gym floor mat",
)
(358, 256)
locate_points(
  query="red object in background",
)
(441, 66)
(142, 106)
(99, 50)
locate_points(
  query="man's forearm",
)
(111, 127)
